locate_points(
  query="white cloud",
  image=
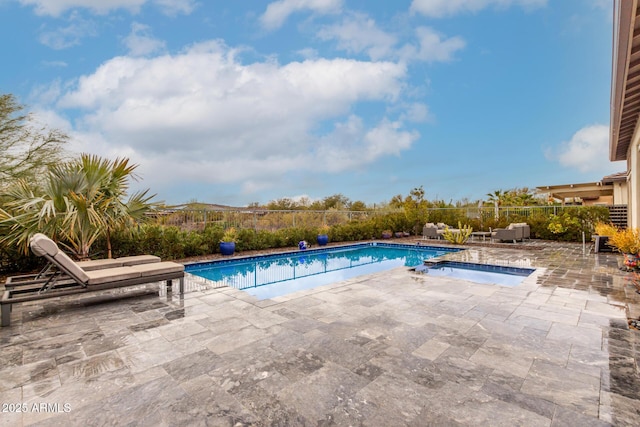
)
(416, 112)
(586, 151)
(57, 7)
(277, 12)
(352, 145)
(71, 35)
(358, 33)
(188, 116)
(432, 46)
(308, 53)
(176, 7)
(140, 41)
(101, 7)
(442, 8)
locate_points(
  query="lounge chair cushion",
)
(70, 267)
(99, 264)
(155, 268)
(109, 275)
(139, 259)
(43, 246)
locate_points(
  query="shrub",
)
(171, 242)
(230, 235)
(460, 237)
(604, 229)
(626, 241)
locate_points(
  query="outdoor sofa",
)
(78, 280)
(435, 231)
(514, 232)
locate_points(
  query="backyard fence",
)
(270, 220)
(273, 220)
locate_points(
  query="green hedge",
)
(171, 242)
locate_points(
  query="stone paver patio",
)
(388, 349)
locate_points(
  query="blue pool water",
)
(274, 275)
(478, 273)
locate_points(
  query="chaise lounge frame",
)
(80, 281)
(50, 274)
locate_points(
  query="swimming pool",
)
(270, 276)
(478, 273)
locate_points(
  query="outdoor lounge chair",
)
(50, 273)
(79, 280)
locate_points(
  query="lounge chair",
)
(50, 273)
(79, 280)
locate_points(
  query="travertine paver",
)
(392, 348)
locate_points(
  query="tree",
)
(79, 201)
(396, 202)
(358, 205)
(283, 204)
(497, 197)
(336, 201)
(416, 209)
(26, 150)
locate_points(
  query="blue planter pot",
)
(227, 248)
(323, 239)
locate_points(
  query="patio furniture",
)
(50, 273)
(430, 232)
(478, 234)
(514, 232)
(526, 229)
(79, 280)
(435, 231)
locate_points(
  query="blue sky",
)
(236, 102)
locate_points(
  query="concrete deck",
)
(389, 349)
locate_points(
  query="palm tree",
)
(114, 178)
(496, 198)
(80, 201)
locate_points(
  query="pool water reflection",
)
(276, 275)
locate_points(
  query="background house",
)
(611, 190)
(624, 141)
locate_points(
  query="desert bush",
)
(605, 229)
(460, 237)
(626, 241)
